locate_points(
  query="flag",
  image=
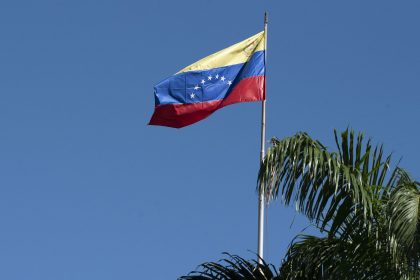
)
(232, 75)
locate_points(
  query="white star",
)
(202, 82)
(229, 82)
(217, 76)
(210, 77)
(222, 78)
(192, 95)
(196, 87)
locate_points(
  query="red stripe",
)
(180, 115)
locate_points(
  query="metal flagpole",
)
(261, 200)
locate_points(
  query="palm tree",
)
(368, 212)
(235, 268)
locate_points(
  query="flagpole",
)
(261, 200)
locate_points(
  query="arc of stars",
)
(209, 78)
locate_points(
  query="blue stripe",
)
(188, 87)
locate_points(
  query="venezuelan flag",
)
(232, 75)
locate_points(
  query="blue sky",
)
(89, 191)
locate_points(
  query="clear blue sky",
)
(89, 191)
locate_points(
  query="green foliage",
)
(326, 186)
(332, 258)
(233, 268)
(369, 212)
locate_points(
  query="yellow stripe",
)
(235, 54)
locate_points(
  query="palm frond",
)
(233, 268)
(329, 258)
(326, 186)
(404, 212)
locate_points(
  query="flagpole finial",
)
(265, 17)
